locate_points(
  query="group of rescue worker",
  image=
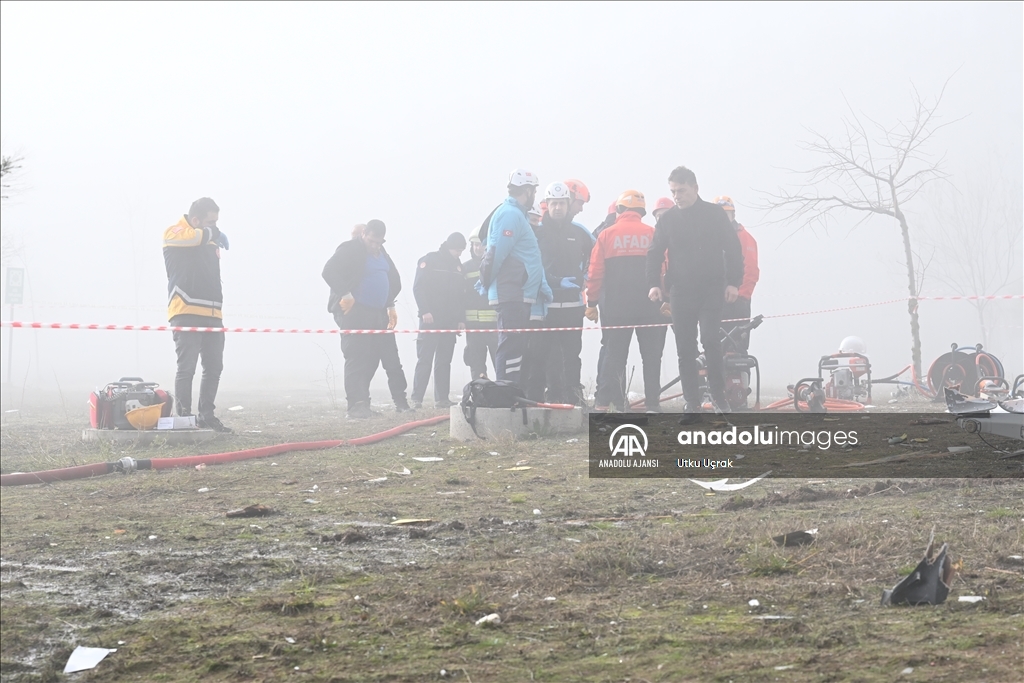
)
(532, 275)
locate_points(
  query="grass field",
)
(594, 580)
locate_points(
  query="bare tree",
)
(976, 235)
(875, 171)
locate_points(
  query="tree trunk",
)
(908, 253)
(979, 306)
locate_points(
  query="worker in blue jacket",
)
(512, 272)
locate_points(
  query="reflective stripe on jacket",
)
(192, 261)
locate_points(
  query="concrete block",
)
(492, 423)
(172, 437)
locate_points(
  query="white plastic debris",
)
(971, 598)
(429, 459)
(492, 619)
(536, 511)
(550, 598)
(493, 453)
(959, 449)
(906, 672)
(785, 667)
(377, 480)
(84, 658)
(311, 501)
(152, 538)
(204, 490)
(236, 408)
(754, 603)
(451, 451)
(289, 640)
(573, 441)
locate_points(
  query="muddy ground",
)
(594, 580)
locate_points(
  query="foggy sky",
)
(303, 119)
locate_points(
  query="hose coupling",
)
(126, 465)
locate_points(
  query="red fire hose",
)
(130, 464)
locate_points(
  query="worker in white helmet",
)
(512, 272)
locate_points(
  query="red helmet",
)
(578, 189)
(663, 203)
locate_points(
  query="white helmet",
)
(558, 190)
(853, 345)
(535, 210)
(521, 176)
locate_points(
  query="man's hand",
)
(392, 318)
(591, 314)
(666, 309)
(654, 294)
(346, 303)
(731, 294)
(428, 318)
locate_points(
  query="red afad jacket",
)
(751, 273)
(618, 276)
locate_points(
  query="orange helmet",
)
(725, 202)
(631, 199)
(578, 189)
(663, 203)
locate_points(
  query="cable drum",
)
(963, 366)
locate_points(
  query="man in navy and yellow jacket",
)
(192, 259)
(479, 315)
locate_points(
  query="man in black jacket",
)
(565, 252)
(705, 269)
(364, 283)
(438, 289)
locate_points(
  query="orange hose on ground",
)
(96, 469)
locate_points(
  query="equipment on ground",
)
(849, 374)
(486, 393)
(1000, 413)
(129, 403)
(847, 389)
(738, 368)
(968, 368)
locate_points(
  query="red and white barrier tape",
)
(18, 324)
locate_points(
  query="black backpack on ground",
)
(485, 393)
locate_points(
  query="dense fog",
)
(301, 120)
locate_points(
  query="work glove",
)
(346, 303)
(568, 283)
(392, 318)
(480, 289)
(666, 309)
(222, 241)
(591, 313)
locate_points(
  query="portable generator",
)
(737, 366)
(849, 372)
(129, 403)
